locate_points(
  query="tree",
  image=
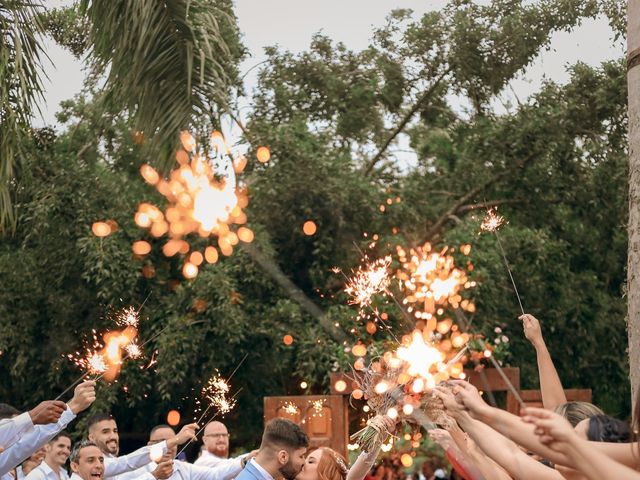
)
(633, 281)
(164, 63)
(21, 59)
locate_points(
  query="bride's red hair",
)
(332, 465)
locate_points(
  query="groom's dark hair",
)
(281, 433)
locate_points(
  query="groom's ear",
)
(283, 457)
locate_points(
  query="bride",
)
(325, 463)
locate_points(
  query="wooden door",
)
(323, 417)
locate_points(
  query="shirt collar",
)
(263, 473)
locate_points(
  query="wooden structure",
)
(323, 417)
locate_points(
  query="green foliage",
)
(20, 87)
(555, 164)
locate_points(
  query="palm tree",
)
(167, 63)
(20, 87)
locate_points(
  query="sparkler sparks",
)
(133, 350)
(128, 317)
(492, 221)
(216, 391)
(368, 280)
(290, 408)
(93, 362)
(432, 282)
(202, 198)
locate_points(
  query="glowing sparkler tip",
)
(368, 280)
(128, 317)
(492, 221)
(133, 350)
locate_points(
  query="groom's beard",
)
(288, 471)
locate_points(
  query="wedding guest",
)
(57, 451)
(103, 432)
(87, 462)
(84, 395)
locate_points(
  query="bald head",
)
(216, 439)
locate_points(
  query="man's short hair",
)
(158, 427)
(97, 418)
(282, 433)
(60, 434)
(75, 453)
(7, 411)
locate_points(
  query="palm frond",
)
(166, 61)
(20, 88)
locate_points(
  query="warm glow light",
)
(359, 350)
(211, 254)
(287, 339)
(357, 394)
(263, 154)
(340, 386)
(407, 409)
(304, 384)
(309, 228)
(101, 229)
(381, 387)
(173, 418)
(245, 234)
(392, 413)
(189, 270)
(149, 174)
(419, 356)
(141, 247)
(406, 460)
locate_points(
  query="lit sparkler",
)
(432, 282)
(128, 317)
(368, 280)
(203, 198)
(290, 408)
(216, 391)
(133, 350)
(492, 221)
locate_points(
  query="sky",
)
(292, 23)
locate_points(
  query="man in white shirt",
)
(215, 450)
(166, 467)
(83, 396)
(103, 431)
(14, 424)
(57, 451)
(87, 462)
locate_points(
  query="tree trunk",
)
(633, 262)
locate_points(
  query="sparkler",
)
(216, 390)
(368, 280)
(290, 408)
(491, 223)
(432, 282)
(104, 360)
(202, 198)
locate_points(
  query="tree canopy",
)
(554, 163)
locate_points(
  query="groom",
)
(282, 452)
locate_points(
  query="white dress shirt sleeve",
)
(36, 474)
(32, 441)
(11, 429)
(126, 463)
(224, 470)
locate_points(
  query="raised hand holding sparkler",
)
(491, 223)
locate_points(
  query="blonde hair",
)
(575, 412)
(332, 465)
